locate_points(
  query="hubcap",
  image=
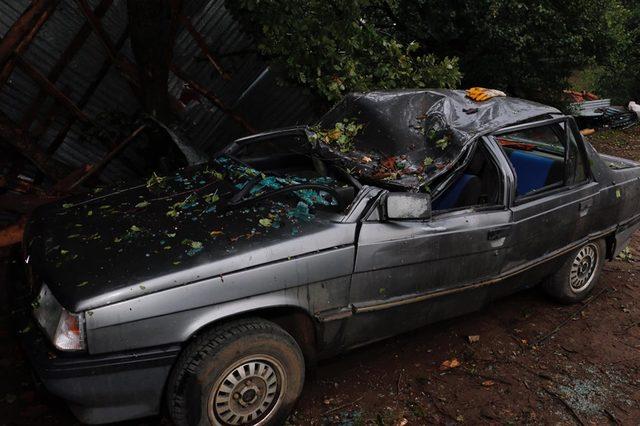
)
(248, 392)
(583, 268)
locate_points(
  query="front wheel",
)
(578, 275)
(248, 372)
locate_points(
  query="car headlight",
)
(66, 330)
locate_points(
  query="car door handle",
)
(497, 233)
(585, 206)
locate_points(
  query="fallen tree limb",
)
(340, 407)
(570, 317)
(12, 234)
(23, 203)
(567, 406)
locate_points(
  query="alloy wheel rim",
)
(583, 268)
(248, 392)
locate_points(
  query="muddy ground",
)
(534, 362)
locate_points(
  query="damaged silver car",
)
(210, 291)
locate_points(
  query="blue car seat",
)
(462, 193)
(535, 171)
(467, 190)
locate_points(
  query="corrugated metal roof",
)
(253, 90)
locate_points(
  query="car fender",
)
(173, 315)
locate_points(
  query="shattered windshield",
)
(252, 184)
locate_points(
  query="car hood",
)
(121, 243)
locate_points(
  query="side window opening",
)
(478, 185)
(578, 160)
(538, 156)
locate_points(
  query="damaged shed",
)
(97, 91)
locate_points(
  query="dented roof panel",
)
(410, 137)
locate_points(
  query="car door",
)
(551, 196)
(408, 273)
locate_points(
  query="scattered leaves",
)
(449, 364)
(625, 255)
(211, 198)
(265, 222)
(155, 180)
(442, 143)
(142, 204)
(473, 338)
(192, 244)
(342, 135)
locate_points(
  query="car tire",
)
(244, 372)
(578, 275)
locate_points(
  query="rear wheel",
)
(578, 275)
(248, 372)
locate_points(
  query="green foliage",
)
(620, 76)
(334, 47)
(626, 255)
(156, 180)
(342, 135)
(528, 48)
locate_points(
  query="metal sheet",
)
(411, 126)
(253, 91)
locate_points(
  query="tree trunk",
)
(152, 24)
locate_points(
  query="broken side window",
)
(478, 185)
(538, 157)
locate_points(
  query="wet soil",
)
(532, 362)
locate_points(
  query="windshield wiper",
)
(237, 200)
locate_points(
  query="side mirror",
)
(408, 206)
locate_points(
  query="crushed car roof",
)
(410, 137)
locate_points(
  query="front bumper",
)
(98, 388)
(102, 388)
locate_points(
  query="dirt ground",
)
(534, 362)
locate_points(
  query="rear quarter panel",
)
(618, 199)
